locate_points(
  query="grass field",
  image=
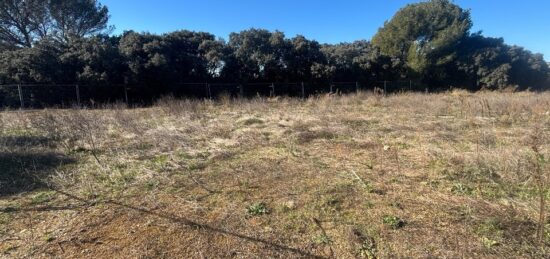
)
(408, 175)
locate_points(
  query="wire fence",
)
(28, 96)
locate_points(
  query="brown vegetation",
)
(409, 175)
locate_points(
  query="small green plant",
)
(461, 189)
(434, 183)
(4, 218)
(257, 209)
(393, 221)
(402, 145)
(489, 243)
(151, 185)
(197, 165)
(491, 232)
(49, 237)
(322, 239)
(367, 249)
(368, 205)
(161, 160)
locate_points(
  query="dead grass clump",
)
(195, 109)
(74, 129)
(311, 135)
(252, 121)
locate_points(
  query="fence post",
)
(20, 96)
(126, 94)
(273, 89)
(77, 89)
(241, 90)
(385, 87)
(356, 87)
(303, 91)
(331, 88)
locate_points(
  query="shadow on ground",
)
(22, 172)
(24, 141)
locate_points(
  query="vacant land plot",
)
(410, 175)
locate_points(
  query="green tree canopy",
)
(77, 18)
(25, 22)
(424, 35)
(260, 54)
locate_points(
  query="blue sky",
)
(525, 23)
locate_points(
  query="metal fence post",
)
(20, 96)
(410, 85)
(77, 89)
(303, 91)
(241, 90)
(272, 89)
(357, 87)
(385, 87)
(331, 88)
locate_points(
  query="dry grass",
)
(410, 175)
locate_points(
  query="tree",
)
(161, 63)
(301, 57)
(360, 61)
(425, 35)
(143, 56)
(217, 56)
(22, 22)
(372, 65)
(485, 62)
(260, 54)
(528, 70)
(77, 19)
(93, 60)
(39, 64)
(184, 55)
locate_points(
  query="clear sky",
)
(525, 23)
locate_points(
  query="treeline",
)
(67, 41)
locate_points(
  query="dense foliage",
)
(53, 41)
